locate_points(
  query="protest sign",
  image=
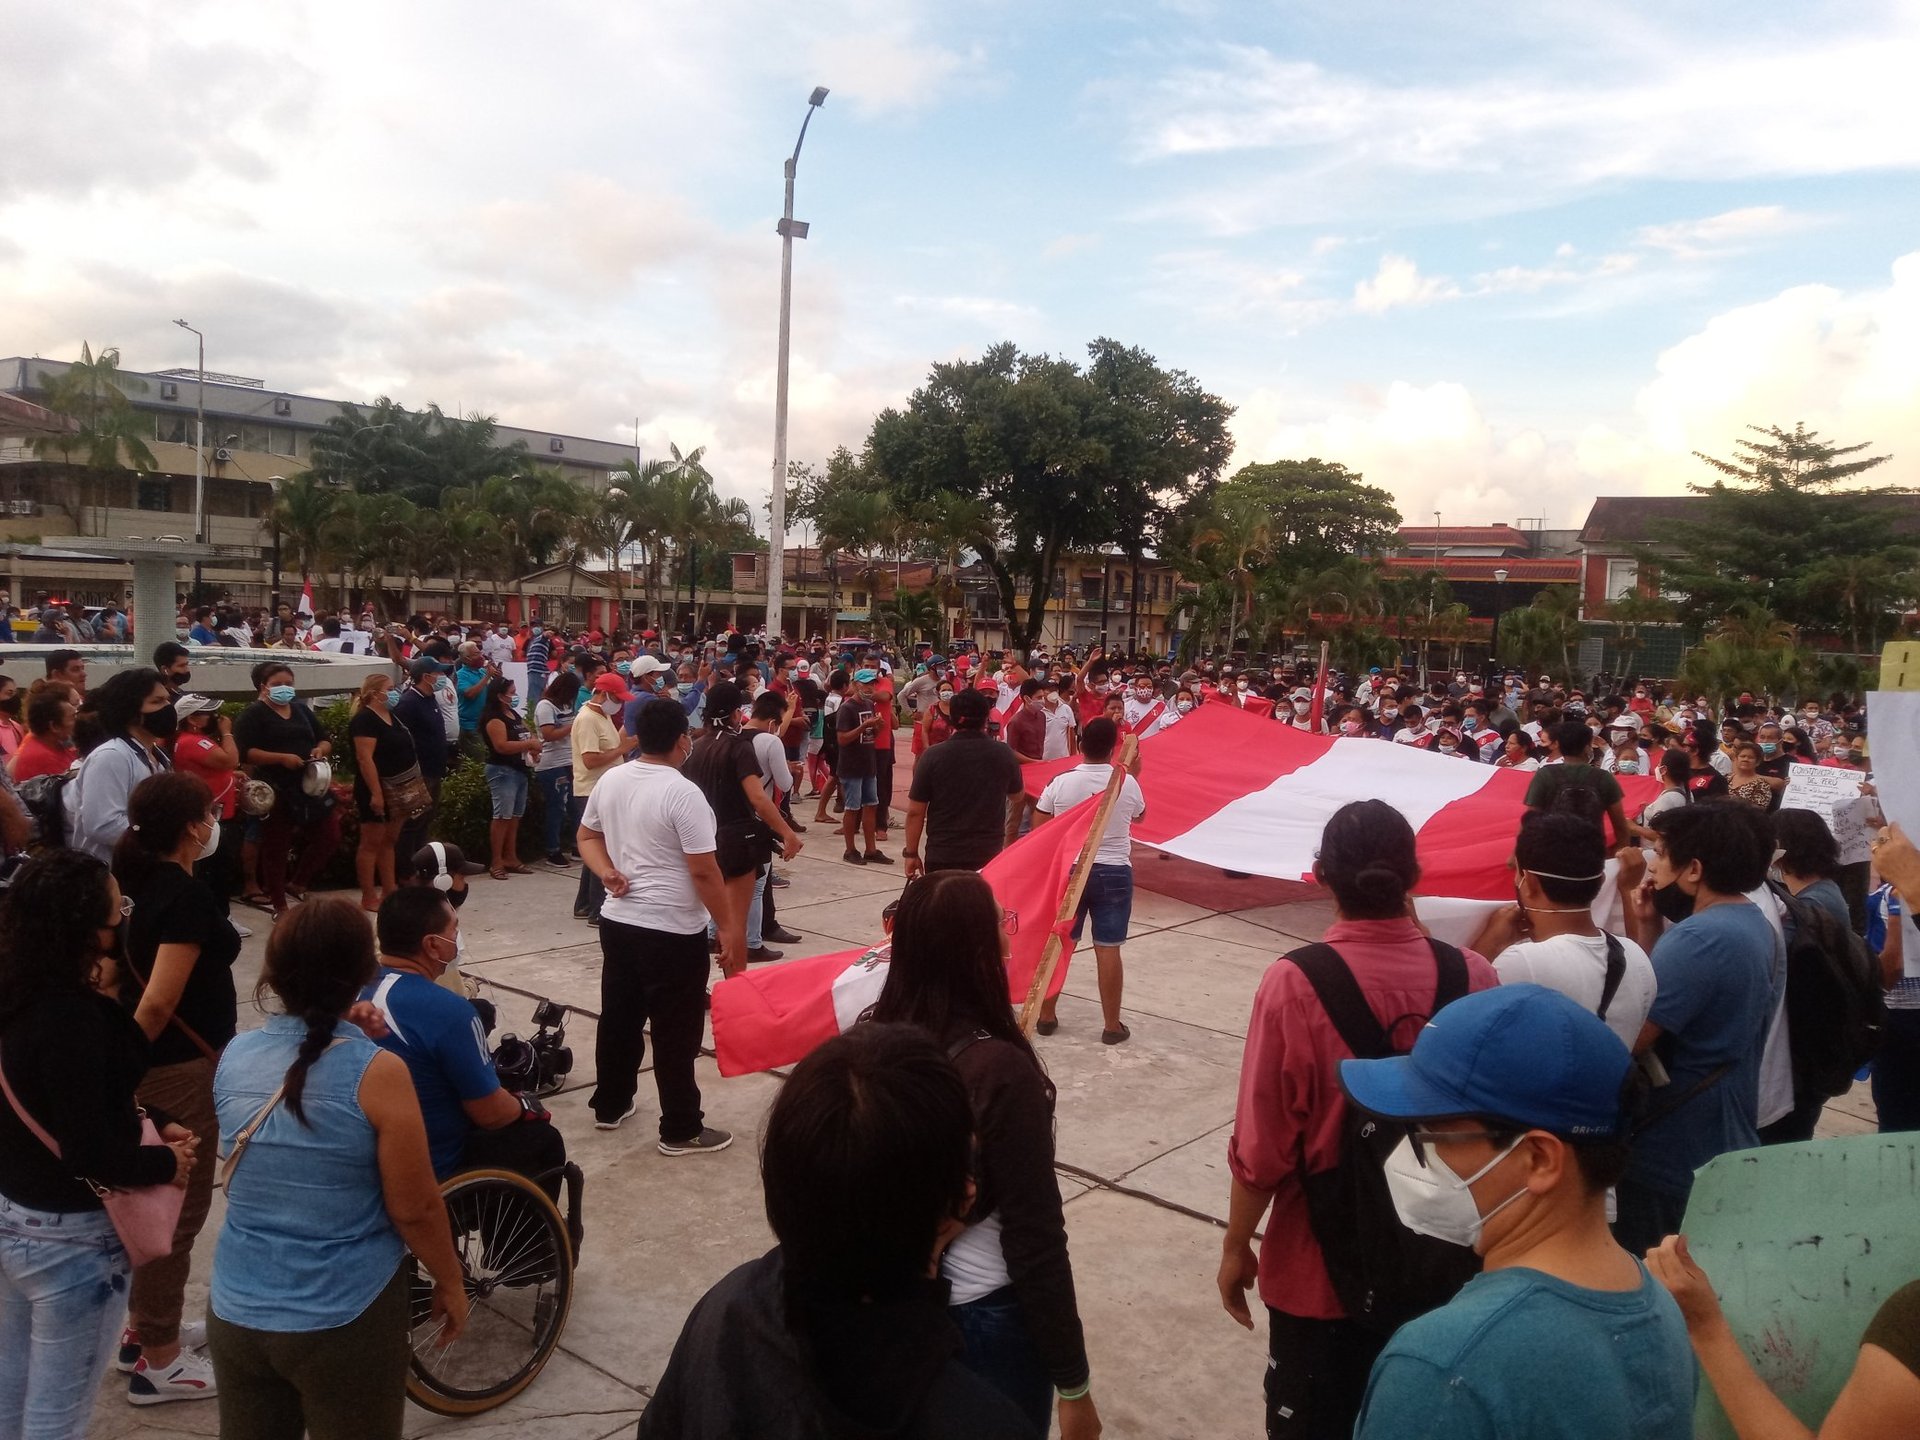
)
(1803, 1242)
(1893, 729)
(1834, 795)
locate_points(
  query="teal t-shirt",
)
(1519, 1355)
(464, 679)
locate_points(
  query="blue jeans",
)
(507, 786)
(1109, 899)
(1001, 1352)
(63, 1299)
(857, 792)
(556, 793)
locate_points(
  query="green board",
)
(1803, 1242)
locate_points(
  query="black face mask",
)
(1672, 903)
(162, 723)
(457, 898)
(179, 680)
(10, 705)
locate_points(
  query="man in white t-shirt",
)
(1062, 724)
(496, 647)
(1550, 937)
(1109, 893)
(648, 834)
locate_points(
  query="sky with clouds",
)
(1500, 258)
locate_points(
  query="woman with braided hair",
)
(308, 1321)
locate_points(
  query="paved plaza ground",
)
(1142, 1133)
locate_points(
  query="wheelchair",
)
(517, 1254)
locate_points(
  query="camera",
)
(540, 1064)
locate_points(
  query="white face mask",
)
(1431, 1200)
(212, 842)
(1183, 706)
(946, 694)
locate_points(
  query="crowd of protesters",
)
(1545, 1126)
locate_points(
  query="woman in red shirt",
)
(204, 748)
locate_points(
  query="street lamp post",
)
(790, 230)
(1499, 604)
(199, 454)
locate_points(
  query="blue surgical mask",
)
(281, 694)
(1769, 747)
(625, 667)
(685, 687)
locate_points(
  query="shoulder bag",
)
(146, 1217)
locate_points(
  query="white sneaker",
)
(615, 1124)
(189, 1377)
(242, 931)
(193, 1336)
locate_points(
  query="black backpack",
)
(45, 799)
(1384, 1274)
(1836, 1013)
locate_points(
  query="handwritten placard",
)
(1834, 795)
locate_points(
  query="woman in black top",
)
(508, 746)
(382, 751)
(72, 1057)
(277, 735)
(178, 982)
(1009, 1269)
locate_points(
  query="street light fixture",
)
(199, 454)
(1499, 604)
(789, 230)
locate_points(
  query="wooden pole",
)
(1076, 886)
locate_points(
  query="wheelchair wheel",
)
(518, 1263)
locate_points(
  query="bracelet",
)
(1079, 1394)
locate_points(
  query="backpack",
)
(1384, 1274)
(1836, 1012)
(45, 799)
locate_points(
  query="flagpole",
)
(1076, 885)
(1320, 694)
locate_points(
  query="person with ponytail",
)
(1289, 1119)
(177, 981)
(1011, 1280)
(72, 1059)
(308, 1321)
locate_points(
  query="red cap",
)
(609, 682)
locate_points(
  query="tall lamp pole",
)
(1499, 604)
(199, 456)
(790, 230)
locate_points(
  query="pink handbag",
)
(145, 1218)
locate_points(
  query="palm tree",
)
(951, 525)
(1629, 613)
(109, 435)
(1865, 586)
(913, 614)
(1239, 530)
(303, 514)
(858, 523)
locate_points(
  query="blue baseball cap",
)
(1516, 1052)
(866, 677)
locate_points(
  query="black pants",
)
(533, 1148)
(1797, 1124)
(1896, 1073)
(659, 977)
(415, 834)
(1316, 1375)
(883, 776)
(589, 895)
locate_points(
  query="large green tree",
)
(107, 434)
(1063, 457)
(1777, 518)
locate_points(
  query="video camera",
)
(540, 1064)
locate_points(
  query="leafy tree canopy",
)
(1785, 528)
(1062, 457)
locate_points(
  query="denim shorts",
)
(859, 791)
(1109, 899)
(507, 784)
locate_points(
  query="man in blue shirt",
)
(473, 1122)
(202, 631)
(1513, 1103)
(1720, 971)
(470, 682)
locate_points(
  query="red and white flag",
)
(306, 596)
(774, 1014)
(1224, 790)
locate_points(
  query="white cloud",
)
(1398, 281)
(1715, 234)
(1606, 103)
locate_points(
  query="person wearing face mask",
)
(935, 722)
(72, 1059)
(1720, 976)
(1290, 1113)
(178, 982)
(278, 735)
(1355, 725)
(1776, 758)
(1518, 1106)
(1181, 707)
(136, 715)
(473, 1122)
(204, 749)
(1141, 706)
(12, 732)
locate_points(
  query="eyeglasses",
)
(1010, 921)
(1423, 1138)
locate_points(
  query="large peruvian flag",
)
(775, 1014)
(1225, 788)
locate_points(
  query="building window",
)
(857, 600)
(172, 429)
(153, 494)
(1090, 589)
(1623, 578)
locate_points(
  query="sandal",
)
(498, 874)
(257, 900)
(518, 869)
(1116, 1037)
